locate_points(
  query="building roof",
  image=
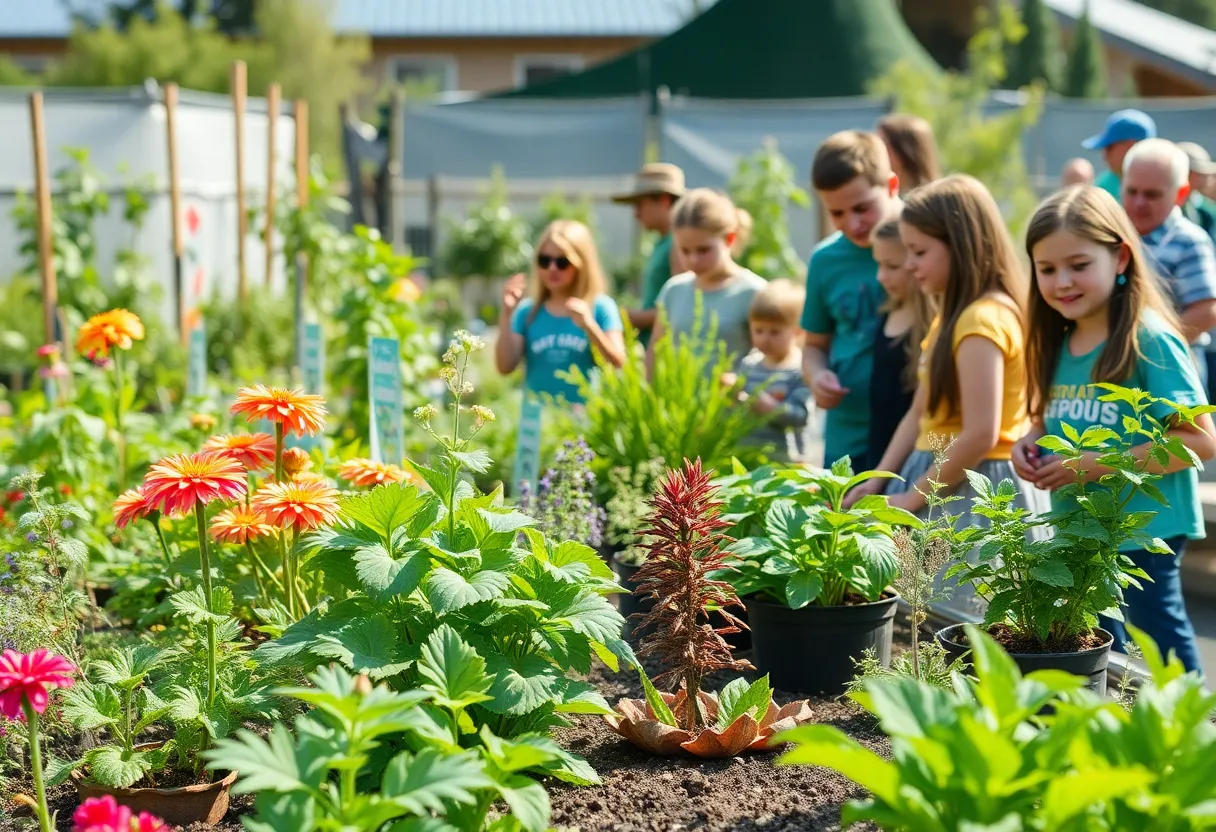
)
(1153, 36)
(422, 18)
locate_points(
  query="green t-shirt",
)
(654, 278)
(1201, 211)
(842, 300)
(1110, 182)
(1166, 371)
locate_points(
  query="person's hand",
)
(728, 380)
(513, 293)
(1054, 473)
(579, 311)
(1026, 458)
(827, 390)
(765, 403)
(867, 488)
(905, 500)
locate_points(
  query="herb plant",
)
(401, 562)
(632, 490)
(564, 504)
(1049, 593)
(823, 553)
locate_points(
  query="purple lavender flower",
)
(564, 503)
(31, 537)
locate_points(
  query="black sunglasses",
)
(545, 261)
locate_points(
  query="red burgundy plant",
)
(685, 545)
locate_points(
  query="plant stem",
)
(128, 700)
(31, 718)
(278, 451)
(120, 385)
(288, 578)
(295, 566)
(260, 567)
(160, 535)
(200, 516)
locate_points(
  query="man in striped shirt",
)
(1155, 185)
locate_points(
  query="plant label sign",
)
(313, 364)
(527, 443)
(387, 402)
(196, 361)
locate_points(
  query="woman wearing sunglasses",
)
(565, 317)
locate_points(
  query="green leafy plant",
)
(117, 700)
(765, 185)
(632, 489)
(1047, 594)
(402, 561)
(491, 241)
(681, 413)
(366, 755)
(823, 554)
(1033, 752)
(748, 494)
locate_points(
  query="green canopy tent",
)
(757, 49)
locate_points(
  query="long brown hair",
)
(917, 301)
(1091, 214)
(577, 243)
(959, 211)
(911, 141)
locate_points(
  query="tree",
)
(1035, 57)
(1085, 76)
(989, 147)
(232, 17)
(1199, 12)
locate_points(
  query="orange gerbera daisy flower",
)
(301, 505)
(253, 450)
(365, 472)
(101, 333)
(239, 525)
(130, 506)
(177, 483)
(295, 460)
(298, 412)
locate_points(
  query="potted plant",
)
(1044, 596)
(685, 547)
(818, 583)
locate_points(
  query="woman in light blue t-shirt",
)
(566, 316)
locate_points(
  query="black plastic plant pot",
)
(630, 602)
(739, 641)
(1089, 664)
(812, 650)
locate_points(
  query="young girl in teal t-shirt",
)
(1098, 315)
(567, 316)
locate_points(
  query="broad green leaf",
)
(824, 745)
(784, 521)
(386, 508)
(583, 698)
(421, 783)
(802, 588)
(1076, 792)
(448, 591)
(477, 461)
(522, 685)
(295, 644)
(192, 604)
(89, 707)
(591, 614)
(750, 547)
(656, 702)
(568, 555)
(367, 645)
(865, 476)
(505, 521)
(1052, 572)
(511, 756)
(528, 800)
(268, 765)
(457, 674)
(739, 698)
(116, 768)
(384, 576)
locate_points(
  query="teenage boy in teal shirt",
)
(852, 175)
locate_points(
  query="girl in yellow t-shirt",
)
(972, 381)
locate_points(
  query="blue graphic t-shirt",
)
(553, 344)
(1167, 371)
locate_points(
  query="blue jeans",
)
(1159, 609)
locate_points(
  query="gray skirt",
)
(963, 602)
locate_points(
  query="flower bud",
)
(296, 460)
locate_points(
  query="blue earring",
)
(1121, 280)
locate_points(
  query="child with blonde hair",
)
(771, 374)
(567, 316)
(706, 226)
(1098, 313)
(906, 316)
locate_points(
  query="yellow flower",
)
(116, 329)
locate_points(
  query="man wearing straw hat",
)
(655, 190)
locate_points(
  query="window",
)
(536, 69)
(432, 73)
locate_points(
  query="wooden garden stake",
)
(302, 192)
(239, 92)
(42, 192)
(175, 210)
(272, 114)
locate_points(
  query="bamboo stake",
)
(272, 113)
(240, 86)
(42, 191)
(175, 210)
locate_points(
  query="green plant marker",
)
(385, 399)
(312, 368)
(196, 362)
(527, 443)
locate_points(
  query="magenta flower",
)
(31, 678)
(103, 814)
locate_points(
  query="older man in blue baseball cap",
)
(1123, 129)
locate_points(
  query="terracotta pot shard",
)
(636, 722)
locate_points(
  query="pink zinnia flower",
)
(103, 814)
(31, 677)
(178, 483)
